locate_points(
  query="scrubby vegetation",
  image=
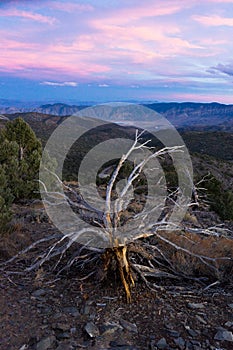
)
(220, 199)
(20, 154)
(6, 199)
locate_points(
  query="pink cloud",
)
(213, 97)
(214, 21)
(81, 43)
(221, 1)
(142, 43)
(28, 15)
(149, 9)
(53, 66)
(11, 44)
(71, 7)
(43, 61)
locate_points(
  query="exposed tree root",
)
(117, 258)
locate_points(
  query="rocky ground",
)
(41, 311)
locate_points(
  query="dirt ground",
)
(44, 311)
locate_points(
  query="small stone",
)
(192, 333)
(195, 342)
(101, 304)
(73, 311)
(110, 328)
(168, 326)
(64, 346)
(117, 343)
(86, 309)
(131, 327)
(64, 327)
(173, 333)
(162, 343)
(58, 315)
(92, 330)
(24, 347)
(124, 347)
(195, 306)
(73, 330)
(180, 342)
(153, 345)
(228, 324)
(223, 335)
(46, 343)
(39, 293)
(63, 335)
(200, 319)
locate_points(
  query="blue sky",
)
(165, 50)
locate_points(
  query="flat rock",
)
(92, 330)
(123, 347)
(192, 333)
(195, 306)
(200, 319)
(72, 310)
(173, 333)
(64, 335)
(131, 327)
(223, 335)
(64, 346)
(228, 324)
(118, 343)
(64, 327)
(110, 328)
(45, 343)
(24, 347)
(162, 344)
(180, 342)
(39, 293)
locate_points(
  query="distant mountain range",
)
(187, 115)
(203, 140)
(206, 116)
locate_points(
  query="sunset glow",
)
(166, 50)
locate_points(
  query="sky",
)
(115, 50)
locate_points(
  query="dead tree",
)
(144, 233)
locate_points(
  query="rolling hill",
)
(199, 116)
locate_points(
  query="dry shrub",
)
(212, 247)
(13, 239)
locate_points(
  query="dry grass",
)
(13, 239)
(212, 247)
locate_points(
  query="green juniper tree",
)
(6, 199)
(20, 155)
(220, 199)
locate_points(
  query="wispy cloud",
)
(221, 1)
(148, 10)
(214, 21)
(103, 85)
(65, 83)
(223, 68)
(27, 15)
(71, 7)
(198, 97)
